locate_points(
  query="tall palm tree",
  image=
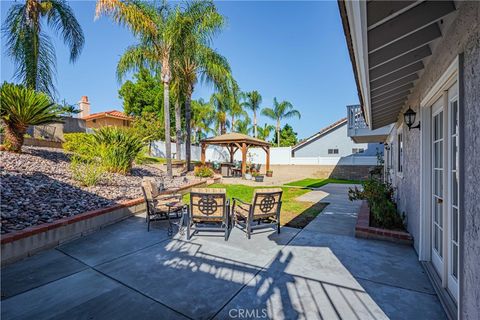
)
(219, 100)
(253, 100)
(178, 98)
(281, 110)
(194, 59)
(31, 48)
(264, 132)
(21, 107)
(156, 28)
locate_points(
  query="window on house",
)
(358, 150)
(400, 153)
(332, 151)
(94, 120)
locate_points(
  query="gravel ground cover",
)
(37, 187)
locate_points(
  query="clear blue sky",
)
(294, 51)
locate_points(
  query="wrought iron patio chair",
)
(160, 206)
(264, 210)
(209, 210)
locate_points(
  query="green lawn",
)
(294, 213)
(317, 183)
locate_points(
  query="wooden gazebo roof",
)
(235, 138)
(234, 141)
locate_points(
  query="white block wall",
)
(278, 156)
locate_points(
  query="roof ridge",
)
(322, 131)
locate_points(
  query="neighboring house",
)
(426, 56)
(333, 141)
(56, 131)
(102, 119)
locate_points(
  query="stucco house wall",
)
(335, 139)
(462, 36)
(107, 121)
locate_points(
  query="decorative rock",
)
(37, 187)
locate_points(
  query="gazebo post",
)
(244, 159)
(230, 148)
(267, 150)
(204, 147)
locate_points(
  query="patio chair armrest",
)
(241, 201)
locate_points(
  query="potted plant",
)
(258, 177)
(269, 173)
(248, 175)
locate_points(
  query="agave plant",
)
(21, 107)
(117, 148)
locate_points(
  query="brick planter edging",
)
(9, 237)
(17, 245)
(363, 229)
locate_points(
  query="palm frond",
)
(60, 17)
(270, 113)
(129, 13)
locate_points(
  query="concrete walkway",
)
(320, 272)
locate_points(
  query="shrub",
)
(380, 198)
(81, 144)
(21, 107)
(117, 148)
(203, 172)
(87, 172)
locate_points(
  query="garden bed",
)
(38, 187)
(364, 230)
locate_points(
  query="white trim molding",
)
(357, 20)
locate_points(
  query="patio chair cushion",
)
(152, 188)
(266, 202)
(208, 204)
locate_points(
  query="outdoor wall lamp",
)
(409, 117)
(386, 146)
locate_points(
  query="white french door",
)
(453, 193)
(445, 206)
(437, 185)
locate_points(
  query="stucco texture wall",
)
(461, 36)
(104, 122)
(336, 139)
(471, 132)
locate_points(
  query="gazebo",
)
(234, 141)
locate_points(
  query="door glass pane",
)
(455, 261)
(454, 153)
(455, 224)
(454, 189)
(454, 118)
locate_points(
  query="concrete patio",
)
(320, 272)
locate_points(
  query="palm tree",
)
(156, 27)
(203, 117)
(280, 111)
(253, 100)
(194, 58)
(243, 126)
(219, 101)
(235, 108)
(176, 94)
(264, 132)
(31, 48)
(21, 107)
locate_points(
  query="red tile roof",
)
(112, 113)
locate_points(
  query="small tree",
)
(149, 127)
(288, 137)
(21, 107)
